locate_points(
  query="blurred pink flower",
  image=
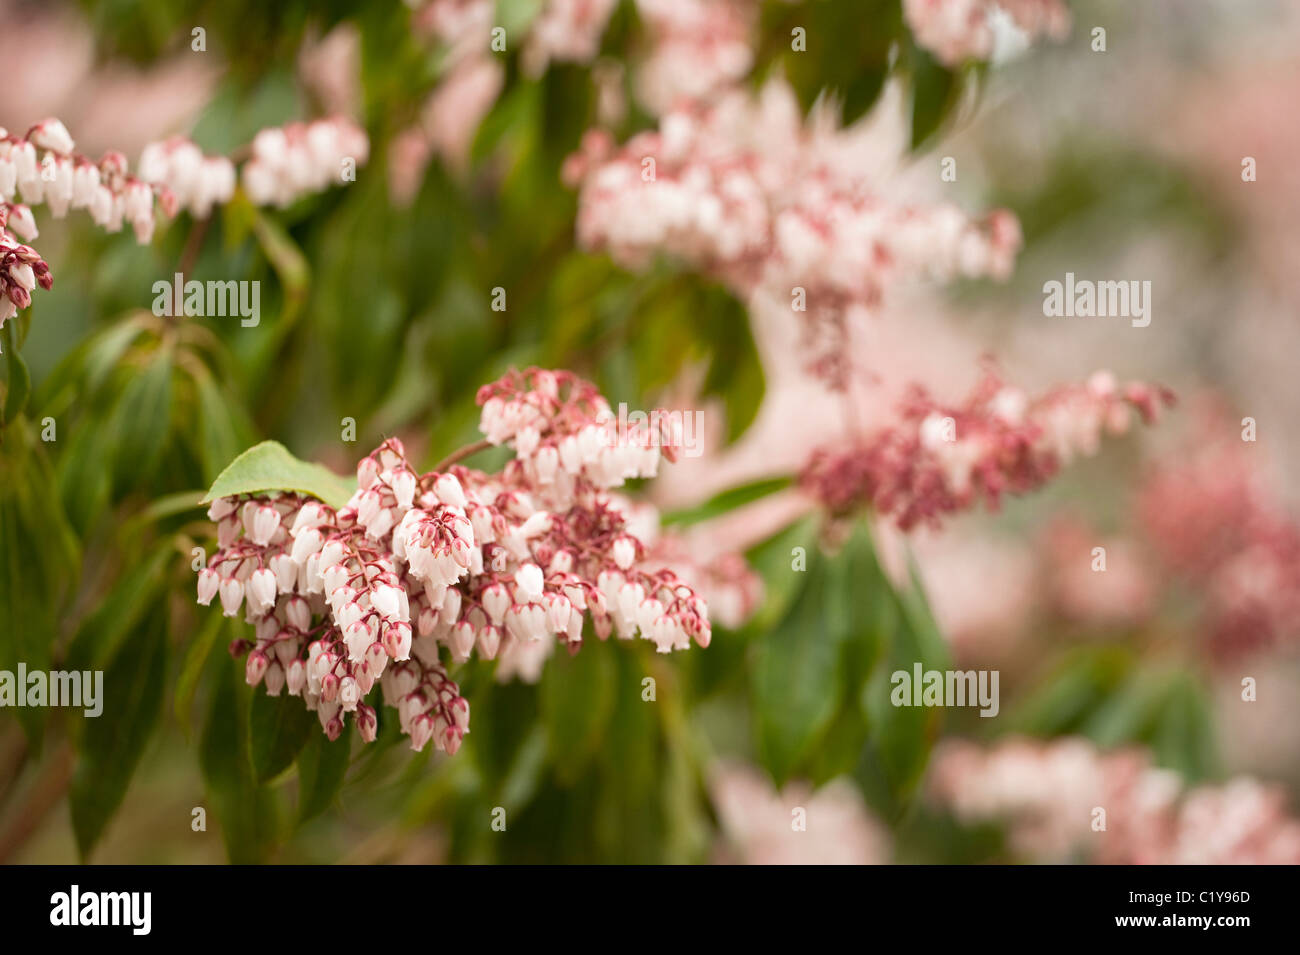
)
(1217, 527)
(698, 49)
(956, 31)
(943, 459)
(1121, 595)
(749, 192)
(1048, 794)
(798, 826)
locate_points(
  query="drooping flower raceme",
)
(781, 208)
(21, 266)
(289, 162)
(197, 182)
(1046, 792)
(454, 559)
(940, 460)
(697, 49)
(44, 167)
(1221, 531)
(957, 31)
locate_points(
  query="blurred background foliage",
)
(381, 314)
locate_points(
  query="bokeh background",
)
(1117, 689)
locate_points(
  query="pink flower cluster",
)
(197, 182)
(44, 167)
(957, 31)
(728, 584)
(758, 823)
(21, 266)
(1219, 531)
(697, 50)
(745, 190)
(473, 75)
(940, 460)
(289, 162)
(1047, 794)
(371, 592)
(566, 31)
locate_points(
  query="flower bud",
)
(367, 723)
(209, 584)
(255, 668)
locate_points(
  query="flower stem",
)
(462, 453)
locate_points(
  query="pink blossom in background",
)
(698, 49)
(1219, 529)
(1046, 792)
(330, 68)
(957, 31)
(43, 168)
(562, 31)
(292, 161)
(982, 590)
(566, 31)
(730, 587)
(198, 182)
(48, 52)
(749, 192)
(1123, 595)
(943, 459)
(758, 823)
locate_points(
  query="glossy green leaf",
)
(270, 467)
(18, 381)
(796, 679)
(112, 743)
(248, 812)
(141, 423)
(279, 727)
(322, 766)
(575, 699)
(198, 647)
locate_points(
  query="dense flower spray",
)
(940, 460)
(44, 167)
(957, 31)
(1047, 793)
(455, 558)
(782, 209)
(1222, 532)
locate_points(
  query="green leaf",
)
(270, 467)
(111, 745)
(18, 383)
(38, 562)
(516, 16)
(849, 43)
(935, 90)
(576, 695)
(221, 427)
(736, 372)
(196, 656)
(775, 560)
(900, 736)
(108, 629)
(248, 812)
(796, 680)
(728, 500)
(279, 727)
(322, 767)
(141, 423)
(288, 261)
(1067, 698)
(811, 668)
